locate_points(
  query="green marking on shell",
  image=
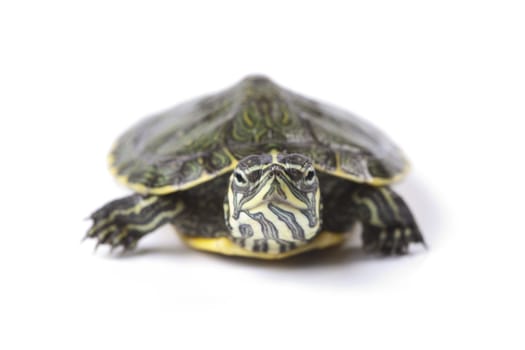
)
(201, 139)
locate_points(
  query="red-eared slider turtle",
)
(257, 170)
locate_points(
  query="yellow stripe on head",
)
(274, 202)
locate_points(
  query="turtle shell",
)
(204, 138)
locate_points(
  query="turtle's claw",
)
(391, 240)
(116, 235)
(110, 225)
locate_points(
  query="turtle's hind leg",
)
(124, 221)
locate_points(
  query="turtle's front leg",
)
(124, 221)
(388, 224)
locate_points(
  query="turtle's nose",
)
(275, 170)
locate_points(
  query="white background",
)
(445, 79)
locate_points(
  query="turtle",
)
(257, 170)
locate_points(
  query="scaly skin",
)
(388, 225)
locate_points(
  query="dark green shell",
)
(199, 140)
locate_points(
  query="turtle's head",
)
(273, 202)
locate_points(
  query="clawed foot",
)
(112, 226)
(392, 240)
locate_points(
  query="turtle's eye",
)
(239, 178)
(309, 177)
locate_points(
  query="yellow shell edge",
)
(223, 245)
(142, 189)
(374, 181)
(123, 179)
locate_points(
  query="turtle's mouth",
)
(276, 194)
(279, 200)
(272, 202)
